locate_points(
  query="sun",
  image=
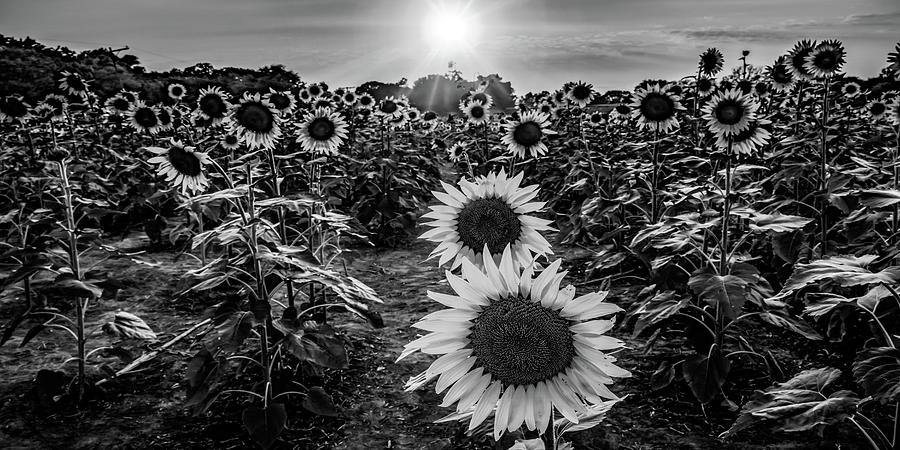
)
(450, 28)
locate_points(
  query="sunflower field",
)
(243, 259)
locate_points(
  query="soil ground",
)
(145, 409)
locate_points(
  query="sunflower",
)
(711, 62)
(281, 101)
(748, 141)
(761, 89)
(526, 134)
(797, 59)
(398, 122)
(231, 141)
(596, 119)
(181, 165)
(340, 92)
(455, 152)
(413, 115)
(73, 84)
(559, 98)
(323, 103)
(894, 112)
(655, 107)
(826, 59)
(118, 105)
(877, 109)
(492, 212)
(730, 112)
(13, 109)
(212, 106)
(518, 345)
(430, 119)
(705, 86)
(366, 101)
(164, 115)
(255, 122)
(131, 96)
(304, 96)
(315, 90)
(546, 108)
(781, 75)
(475, 112)
(581, 94)
(620, 113)
(58, 105)
(893, 61)
(143, 117)
(176, 91)
(322, 131)
(350, 98)
(851, 89)
(480, 96)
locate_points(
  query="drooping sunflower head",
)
(13, 109)
(655, 107)
(58, 105)
(826, 59)
(730, 112)
(491, 211)
(705, 85)
(797, 58)
(255, 122)
(181, 165)
(322, 132)
(212, 105)
(118, 104)
(581, 94)
(749, 141)
(518, 345)
(176, 91)
(281, 101)
(73, 84)
(526, 135)
(711, 62)
(143, 117)
(781, 75)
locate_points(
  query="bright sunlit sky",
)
(535, 44)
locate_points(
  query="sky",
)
(535, 44)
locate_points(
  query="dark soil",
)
(145, 409)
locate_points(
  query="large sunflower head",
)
(781, 75)
(13, 109)
(621, 113)
(711, 62)
(349, 98)
(182, 166)
(730, 112)
(315, 90)
(851, 89)
(526, 135)
(281, 101)
(212, 105)
(366, 101)
(176, 91)
(797, 59)
(322, 131)
(655, 107)
(826, 59)
(143, 117)
(518, 345)
(491, 211)
(255, 122)
(480, 96)
(581, 94)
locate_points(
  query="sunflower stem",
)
(654, 177)
(262, 295)
(75, 266)
(823, 172)
(282, 227)
(895, 220)
(726, 212)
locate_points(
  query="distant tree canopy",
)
(380, 90)
(442, 93)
